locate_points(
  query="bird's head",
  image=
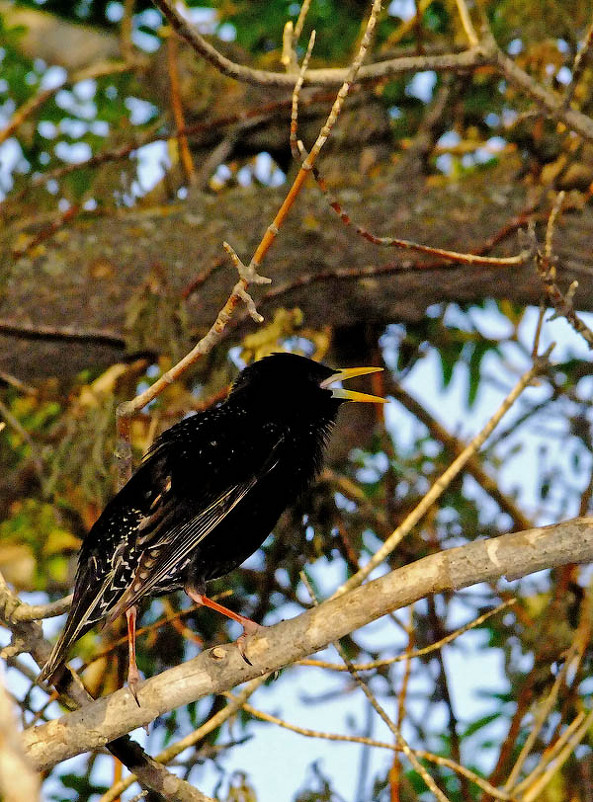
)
(298, 383)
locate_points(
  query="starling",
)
(206, 496)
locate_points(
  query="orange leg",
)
(133, 673)
(249, 627)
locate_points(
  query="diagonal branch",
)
(222, 668)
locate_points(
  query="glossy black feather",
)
(206, 495)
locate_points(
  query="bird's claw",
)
(249, 628)
(133, 682)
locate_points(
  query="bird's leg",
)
(133, 673)
(249, 627)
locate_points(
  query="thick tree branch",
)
(222, 668)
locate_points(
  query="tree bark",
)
(222, 668)
(64, 307)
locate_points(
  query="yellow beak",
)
(351, 395)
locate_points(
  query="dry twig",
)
(213, 723)
(410, 655)
(563, 303)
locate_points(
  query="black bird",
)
(206, 496)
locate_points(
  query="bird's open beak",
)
(351, 395)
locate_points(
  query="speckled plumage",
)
(206, 495)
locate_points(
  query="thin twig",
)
(393, 242)
(177, 108)
(538, 329)
(575, 738)
(563, 303)
(125, 31)
(407, 26)
(578, 67)
(445, 480)
(571, 663)
(476, 622)
(46, 233)
(400, 741)
(294, 115)
(359, 739)
(300, 23)
(306, 167)
(213, 723)
(15, 424)
(466, 21)
(455, 446)
(549, 755)
(396, 767)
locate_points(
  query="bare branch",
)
(193, 738)
(28, 636)
(323, 77)
(222, 668)
(36, 612)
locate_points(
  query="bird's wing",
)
(166, 546)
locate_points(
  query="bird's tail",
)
(76, 626)
(59, 653)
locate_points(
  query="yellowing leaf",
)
(17, 565)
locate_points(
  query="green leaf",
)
(480, 723)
